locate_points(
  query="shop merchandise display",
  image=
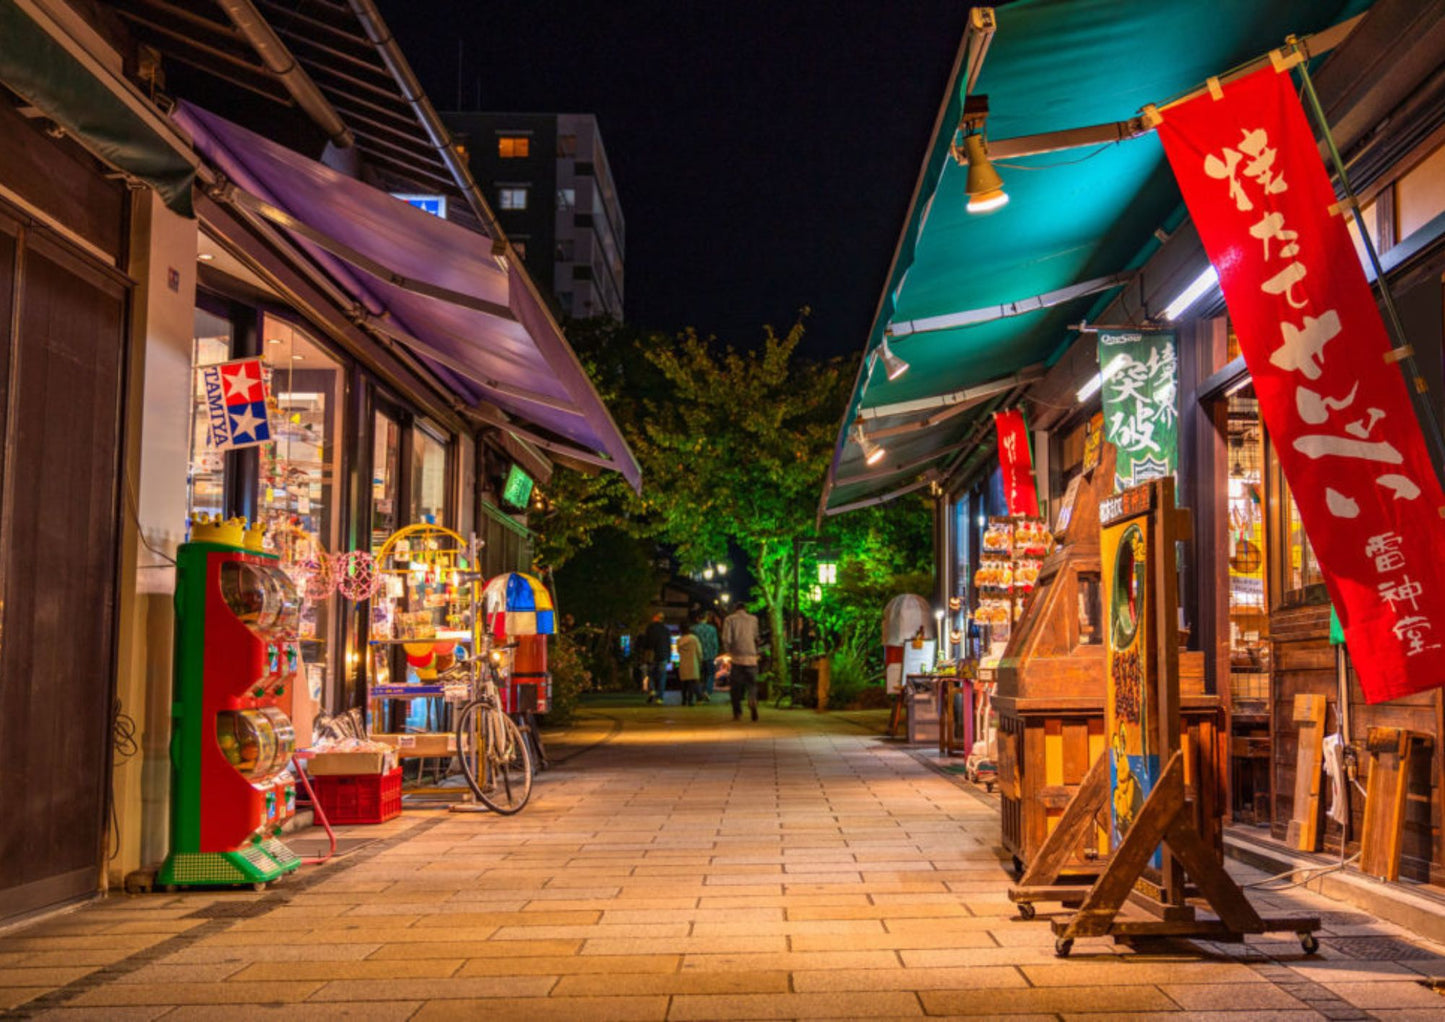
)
(1013, 552)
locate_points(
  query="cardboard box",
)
(413, 746)
(348, 764)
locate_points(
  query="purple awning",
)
(513, 357)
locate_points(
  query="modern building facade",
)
(550, 182)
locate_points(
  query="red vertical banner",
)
(1335, 404)
(1016, 459)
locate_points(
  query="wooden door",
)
(62, 336)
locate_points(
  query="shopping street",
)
(675, 864)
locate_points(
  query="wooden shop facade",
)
(1260, 681)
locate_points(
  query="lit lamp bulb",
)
(984, 186)
(873, 452)
(707, 573)
(722, 569)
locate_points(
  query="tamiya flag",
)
(1331, 395)
(235, 394)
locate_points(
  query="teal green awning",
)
(97, 108)
(1077, 216)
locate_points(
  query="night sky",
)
(764, 152)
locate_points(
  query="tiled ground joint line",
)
(156, 953)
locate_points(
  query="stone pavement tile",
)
(610, 905)
(694, 915)
(786, 927)
(367, 969)
(532, 894)
(143, 1013)
(1223, 996)
(695, 982)
(11, 997)
(890, 941)
(1054, 999)
(169, 971)
(451, 988)
(938, 924)
(795, 962)
(126, 942)
(968, 958)
(349, 1011)
(548, 1009)
(682, 945)
(788, 901)
(1388, 995)
(165, 926)
(570, 965)
(872, 886)
(42, 976)
(1305, 1015)
(478, 949)
(646, 931)
(463, 920)
(1344, 970)
(795, 1006)
(889, 913)
(226, 992)
(1407, 1014)
(1124, 970)
(393, 932)
(989, 977)
(426, 910)
(275, 953)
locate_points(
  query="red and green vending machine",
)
(237, 615)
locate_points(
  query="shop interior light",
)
(873, 452)
(1191, 294)
(892, 364)
(1096, 381)
(206, 257)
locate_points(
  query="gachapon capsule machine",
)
(237, 616)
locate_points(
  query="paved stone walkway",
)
(680, 866)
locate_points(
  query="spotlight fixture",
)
(984, 186)
(873, 451)
(892, 364)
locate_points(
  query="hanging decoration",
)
(1323, 368)
(1141, 403)
(1016, 459)
(236, 404)
(357, 577)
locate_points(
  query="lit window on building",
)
(513, 147)
(512, 198)
(566, 198)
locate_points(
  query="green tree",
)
(738, 454)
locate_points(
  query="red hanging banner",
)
(1335, 405)
(1016, 459)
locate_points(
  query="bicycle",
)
(495, 757)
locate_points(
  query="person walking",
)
(689, 664)
(658, 642)
(707, 638)
(740, 642)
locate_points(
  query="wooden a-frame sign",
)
(1160, 867)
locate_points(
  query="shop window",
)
(385, 479)
(428, 478)
(1248, 606)
(514, 147)
(299, 475)
(205, 476)
(1301, 570)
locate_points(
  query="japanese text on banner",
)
(1337, 410)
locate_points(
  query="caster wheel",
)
(1309, 943)
(1062, 946)
(259, 885)
(1026, 910)
(989, 787)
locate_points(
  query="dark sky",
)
(764, 152)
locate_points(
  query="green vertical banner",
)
(1141, 403)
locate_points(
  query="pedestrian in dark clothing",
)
(707, 638)
(658, 641)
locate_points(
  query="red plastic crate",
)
(362, 798)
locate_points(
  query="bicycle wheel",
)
(471, 741)
(507, 781)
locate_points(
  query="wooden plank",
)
(1389, 750)
(1217, 887)
(1072, 829)
(1076, 751)
(1155, 817)
(1304, 825)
